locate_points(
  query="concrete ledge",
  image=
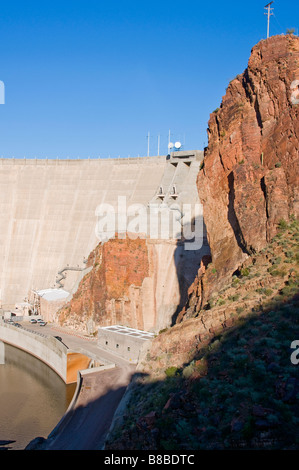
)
(85, 372)
(79, 161)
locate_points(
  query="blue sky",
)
(92, 78)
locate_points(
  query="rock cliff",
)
(249, 186)
(221, 378)
(249, 181)
(250, 177)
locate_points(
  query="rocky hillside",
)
(250, 177)
(225, 380)
(222, 376)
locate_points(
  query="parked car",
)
(33, 320)
(42, 323)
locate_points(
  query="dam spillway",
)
(47, 211)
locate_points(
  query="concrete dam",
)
(48, 212)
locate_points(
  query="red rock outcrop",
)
(140, 283)
(250, 178)
(110, 292)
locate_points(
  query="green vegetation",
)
(171, 371)
(245, 272)
(240, 394)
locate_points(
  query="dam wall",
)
(47, 216)
(48, 228)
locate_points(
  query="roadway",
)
(76, 341)
(86, 424)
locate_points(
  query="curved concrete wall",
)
(47, 349)
(47, 215)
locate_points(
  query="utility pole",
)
(269, 14)
(158, 145)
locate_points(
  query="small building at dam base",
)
(123, 341)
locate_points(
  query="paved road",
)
(85, 426)
(76, 341)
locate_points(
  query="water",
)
(33, 398)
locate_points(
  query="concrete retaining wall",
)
(47, 349)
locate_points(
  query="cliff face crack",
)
(248, 86)
(263, 188)
(258, 114)
(201, 296)
(231, 214)
(252, 96)
(203, 323)
(221, 161)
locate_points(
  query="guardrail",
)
(63, 276)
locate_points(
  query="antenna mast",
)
(269, 14)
